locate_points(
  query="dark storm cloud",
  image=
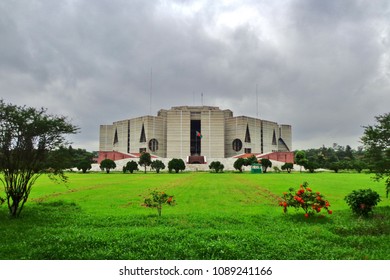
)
(321, 66)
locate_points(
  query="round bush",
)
(362, 202)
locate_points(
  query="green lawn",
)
(217, 216)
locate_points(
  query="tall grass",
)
(217, 216)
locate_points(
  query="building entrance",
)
(195, 138)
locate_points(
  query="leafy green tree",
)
(311, 165)
(335, 166)
(145, 160)
(176, 164)
(300, 158)
(27, 135)
(288, 166)
(238, 164)
(131, 166)
(217, 166)
(107, 164)
(250, 160)
(84, 165)
(376, 140)
(265, 163)
(358, 165)
(68, 157)
(157, 165)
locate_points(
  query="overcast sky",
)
(321, 66)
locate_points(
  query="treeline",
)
(68, 157)
(334, 158)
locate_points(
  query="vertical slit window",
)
(247, 135)
(274, 138)
(142, 138)
(116, 137)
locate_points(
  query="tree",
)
(335, 166)
(238, 164)
(300, 158)
(157, 199)
(27, 135)
(358, 165)
(157, 165)
(84, 165)
(176, 164)
(69, 158)
(107, 164)
(376, 140)
(216, 166)
(250, 160)
(145, 160)
(311, 165)
(265, 163)
(287, 166)
(131, 166)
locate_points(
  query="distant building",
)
(196, 134)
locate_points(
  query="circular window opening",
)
(153, 145)
(237, 145)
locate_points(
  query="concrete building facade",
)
(193, 131)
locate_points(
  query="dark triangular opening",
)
(116, 137)
(283, 145)
(274, 138)
(142, 138)
(247, 135)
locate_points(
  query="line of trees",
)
(333, 158)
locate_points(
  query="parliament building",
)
(195, 134)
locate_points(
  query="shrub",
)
(276, 169)
(84, 165)
(107, 164)
(2, 200)
(131, 166)
(157, 165)
(265, 163)
(362, 202)
(176, 164)
(217, 166)
(238, 164)
(311, 202)
(288, 166)
(158, 199)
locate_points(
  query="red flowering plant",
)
(158, 199)
(311, 202)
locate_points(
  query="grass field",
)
(217, 216)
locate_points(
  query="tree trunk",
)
(13, 208)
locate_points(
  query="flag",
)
(198, 134)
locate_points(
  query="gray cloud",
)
(321, 66)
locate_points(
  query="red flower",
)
(307, 215)
(308, 189)
(330, 211)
